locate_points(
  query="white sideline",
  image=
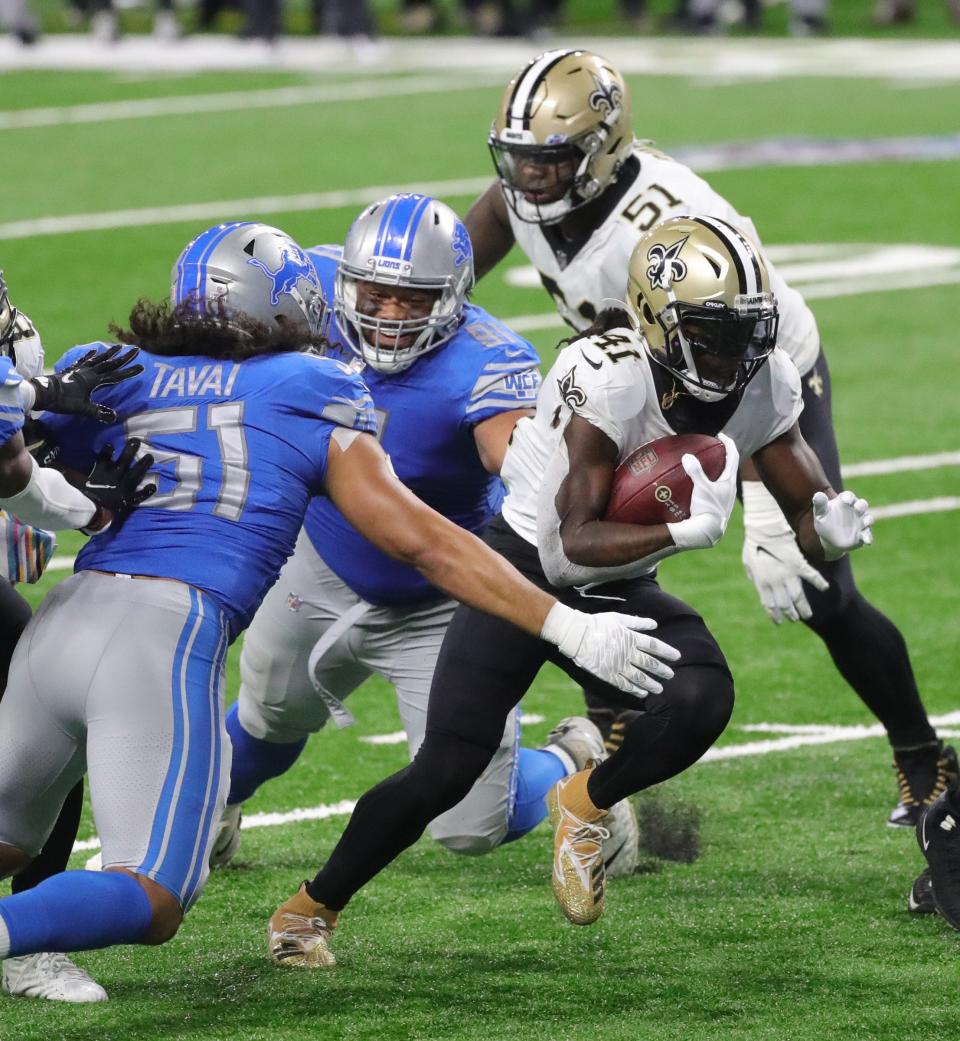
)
(799, 737)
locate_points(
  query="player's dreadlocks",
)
(609, 318)
(164, 329)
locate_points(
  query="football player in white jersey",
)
(576, 190)
(706, 319)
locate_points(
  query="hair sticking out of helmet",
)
(250, 272)
(561, 134)
(699, 291)
(402, 280)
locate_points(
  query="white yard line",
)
(799, 737)
(238, 101)
(205, 212)
(778, 152)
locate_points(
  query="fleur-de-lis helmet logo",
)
(667, 267)
(606, 98)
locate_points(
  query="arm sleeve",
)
(50, 501)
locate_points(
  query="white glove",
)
(842, 523)
(772, 558)
(711, 503)
(612, 647)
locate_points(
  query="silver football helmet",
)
(412, 241)
(19, 338)
(252, 270)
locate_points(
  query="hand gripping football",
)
(651, 486)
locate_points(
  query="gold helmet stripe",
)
(518, 111)
(741, 252)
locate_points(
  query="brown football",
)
(651, 486)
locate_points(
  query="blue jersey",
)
(11, 408)
(426, 416)
(240, 449)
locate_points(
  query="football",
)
(651, 486)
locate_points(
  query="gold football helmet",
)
(699, 291)
(561, 135)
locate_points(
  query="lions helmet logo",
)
(462, 248)
(606, 98)
(667, 267)
(294, 265)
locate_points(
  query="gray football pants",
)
(312, 628)
(121, 678)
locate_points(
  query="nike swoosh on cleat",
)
(925, 842)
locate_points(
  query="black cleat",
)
(938, 834)
(923, 774)
(920, 898)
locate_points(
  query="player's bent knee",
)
(468, 845)
(166, 912)
(12, 860)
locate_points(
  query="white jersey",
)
(585, 278)
(608, 380)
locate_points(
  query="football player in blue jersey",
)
(245, 428)
(26, 549)
(449, 383)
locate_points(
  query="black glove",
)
(114, 484)
(69, 391)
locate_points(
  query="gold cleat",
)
(299, 933)
(578, 872)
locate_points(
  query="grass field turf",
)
(791, 925)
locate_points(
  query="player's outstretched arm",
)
(364, 488)
(489, 228)
(827, 525)
(69, 391)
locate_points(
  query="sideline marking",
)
(800, 736)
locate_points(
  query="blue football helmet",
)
(250, 269)
(404, 240)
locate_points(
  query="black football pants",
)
(485, 667)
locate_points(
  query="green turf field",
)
(791, 925)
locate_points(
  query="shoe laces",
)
(301, 925)
(591, 835)
(908, 796)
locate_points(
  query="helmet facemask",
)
(557, 175)
(717, 350)
(415, 249)
(380, 341)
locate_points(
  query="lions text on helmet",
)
(402, 281)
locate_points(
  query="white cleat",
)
(95, 863)
(620, 848)
(52, 976)
(582, 744)
(227, 841)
